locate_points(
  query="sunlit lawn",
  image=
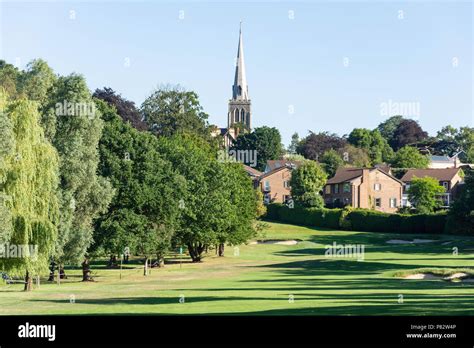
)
(264, 278)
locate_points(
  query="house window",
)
(377, 187)
(393, 202)
(286, 184)
(267, 198)
(346, 188)
(446, 185)
(328, 189)
(266, 185)
(378, 202)
(336, 188)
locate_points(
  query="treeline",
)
(398, 142)
(86, 174)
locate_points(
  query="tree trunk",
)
(221, 249)
(112, 261)
(62, 273)
(52, 269)
(28, 282)
(195, 252)
(86, 271)
(160, 260)
(145, 267)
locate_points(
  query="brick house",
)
(253, 173)
(370, 188)
(275, 184)
(450, 178)
(275, 164)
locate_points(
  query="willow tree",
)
(28, 186)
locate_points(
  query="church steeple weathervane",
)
(239, 105)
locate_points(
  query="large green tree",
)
(331, 161)
(453, 140)
(410, 157)
(28, 189)
(307, 182)
(37, 80)
(9, 77)
(265, 141)
(219, 204)
(171, 109)
(387, 128)
(144, 212)
(424, 194)
(372, 141)
(74, 125)
(295, 140)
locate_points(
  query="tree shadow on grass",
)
(341, 305)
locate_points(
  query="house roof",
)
(444, 174)
(348, 174)
(384, 167)
(345, 174)
(441, 159)
(271, 172)
(252, 171)
(274, 164)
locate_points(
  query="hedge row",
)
(358, 219)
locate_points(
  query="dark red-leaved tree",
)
(125, 108)
(407, 132)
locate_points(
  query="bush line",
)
(358, 219)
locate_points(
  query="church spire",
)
(240, 104)
(240, 88)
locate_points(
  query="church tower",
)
(239, 105)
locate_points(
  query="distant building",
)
(442, 162)
(275, 185)
(239, 115)
(369, 188)
(275, 164)
(449, 178)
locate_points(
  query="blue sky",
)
(325, 66)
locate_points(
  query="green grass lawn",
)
(263, 278)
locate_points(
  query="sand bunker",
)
(280, 242)
(414, 241)
(421, 276)
(453, 277)
(459, 275)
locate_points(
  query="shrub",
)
(318, 217)
(359, 219)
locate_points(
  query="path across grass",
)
(270, 279)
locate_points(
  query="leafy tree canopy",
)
(331, 161)
(28, 168)
(410, 157)
(307, 182)
(315, 144)
(424, 194)
(265, 141)
(388, 127)
(407, 132)
(372, 141)
(171, 109)
(126, 109)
